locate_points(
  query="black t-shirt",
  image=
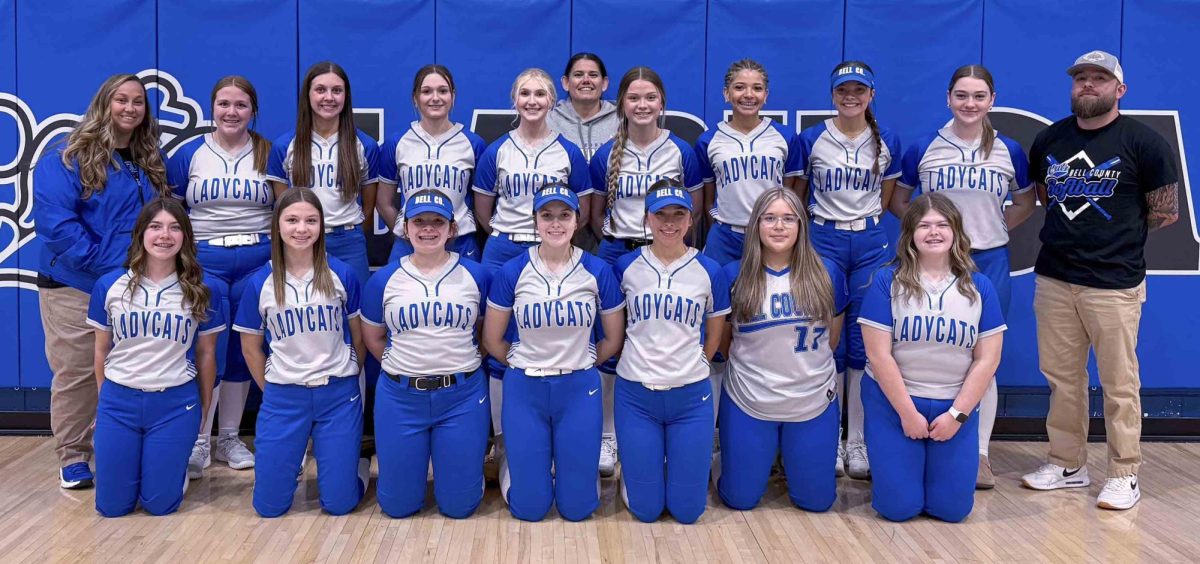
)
(1096, 183)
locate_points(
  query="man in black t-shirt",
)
(1106, 181)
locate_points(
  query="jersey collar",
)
(729, 129)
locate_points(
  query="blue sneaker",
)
(75, 477)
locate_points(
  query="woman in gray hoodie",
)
(584, 118)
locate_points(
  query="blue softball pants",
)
(858, 254)
(724, 245)
(749, 446)
(675, 425)
(919, 476)
(553, 422)
(448, 424)
(230, 266)
(330, 414)
(994, 264)
(142, 441)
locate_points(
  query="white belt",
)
(735, 229)
(239, 240)
(543, 372)
(518, 237)
(342, 228)
(658, 387)
(860, 224)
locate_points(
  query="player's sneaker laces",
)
(1120, 493)
(230, 449)
(200, 459)
(75, 476)
(1053, 477)
(608, 456)
(840, 469)
(856, 459)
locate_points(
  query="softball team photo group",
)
(587, 296)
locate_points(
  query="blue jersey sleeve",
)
(622, 264)
(97, 314)
(372, 294)
(179, 167)
(215, 320)
(693, 174)
(483, 281)
(352, 285)
(731, 273)
(504, 284)
(387, 160)
(877, 301)
(371, 154)
(485, 169)
(719, 284)
(275, 167)
(797, 157)
(841, 290)
(249, 319)
(702, 156)
(892, 142)
(599, 168)
(910, 165)
(610, 295)
(1020, 165)
(991, 319)
(808, 140)
(580, 179)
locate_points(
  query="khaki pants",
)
(70, 350)
(1070, 320)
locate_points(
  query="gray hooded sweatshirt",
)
(589, 134)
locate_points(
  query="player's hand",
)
(916, 427)
(944, 427)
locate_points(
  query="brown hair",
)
(187, 267)
(349, 173)
(322, 277)
(907, 283)
(870, 115)
(980, 72)
(622, 136)
(262, 147)
(424, 72)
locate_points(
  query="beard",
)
(1092, 106)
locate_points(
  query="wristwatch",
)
(958, 415)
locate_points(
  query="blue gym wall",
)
(53, 55)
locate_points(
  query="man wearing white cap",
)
(1106, 181)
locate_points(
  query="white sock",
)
(854, 407)
(233, 403)
(206, 424)
(987, 416)
(716, 375)
(839, 388)
(496, 391)
(608, 384)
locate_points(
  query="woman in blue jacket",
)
(86, 197)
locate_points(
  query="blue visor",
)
(853, 73)
(423, 203)
(556, 193)
(670, 196)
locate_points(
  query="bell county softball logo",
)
(1064, 183)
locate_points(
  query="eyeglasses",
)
(772, 220)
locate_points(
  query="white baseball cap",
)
(1101, 59)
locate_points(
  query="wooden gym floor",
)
(40, 523)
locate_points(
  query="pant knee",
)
(575, 514)
(533, 514)
(162, 508)
(114, 509)
(340, 506)
(270, 512)
(398, 509)
(740, 502)
(952, 512)
(897, 510)
(460, 509)
(686, 513)
(646, 512)
(815, 503)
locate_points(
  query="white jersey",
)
(667, 157)
(154, 333)
(309, 336)
(512, 173)
(223, 192)
(554, 314)
(326, 181)
(415, 161)
(431, 319)
(666, 306)
(765, 380)
(744, 165)
(842, 184)
(978, 185)
(933, 336)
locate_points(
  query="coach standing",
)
(1106, 181)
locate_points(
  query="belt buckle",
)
(544, 372)
(523, 237)
(316, 383)
(658, 387)
(859, 224)
(439, 382)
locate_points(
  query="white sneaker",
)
(856, 459)
(232, 450)
(1053, 477)
(1119, 493)
(608, 456)
(200, 459)
(840, 469)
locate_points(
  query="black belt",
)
(630, 244)
(430, 383)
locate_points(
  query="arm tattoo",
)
(1163, 204)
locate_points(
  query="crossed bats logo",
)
(34, 137)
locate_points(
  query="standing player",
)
(508, 174)
(847, 182)
(977, 168)
(86, 198)
(585, 118)
(642, 154)
(221, 177)
(785, 298)
(342, 174)
(677, 301)
(421, 320)
(434, 153)
(933, 331)
(150, 353)
(306, 305)
(554, 294)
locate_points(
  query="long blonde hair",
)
(187, 267)
(907, 283)
(92, 143)
(811, 287)
(322, 278)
